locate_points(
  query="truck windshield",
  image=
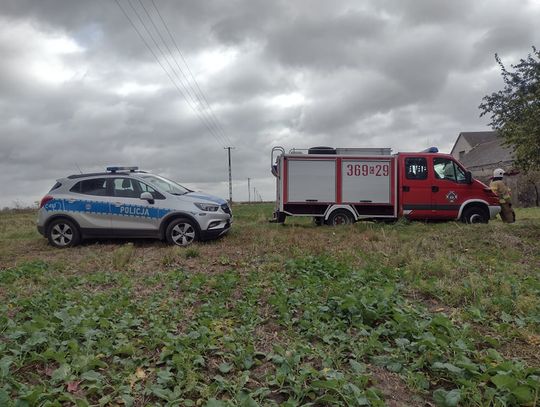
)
(448, 169)
(165, 184)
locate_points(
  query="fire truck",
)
(344, 185)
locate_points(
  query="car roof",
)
(105, 174)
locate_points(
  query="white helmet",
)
(498, 173)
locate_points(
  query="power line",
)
(188, 88)
(196, 98)
(200, 115)
(200, 91)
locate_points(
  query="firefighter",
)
(503, 192)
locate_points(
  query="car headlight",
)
(207, 207)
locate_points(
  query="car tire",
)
(340, 217)
(63, 233)
(181, 232)
(475, 214)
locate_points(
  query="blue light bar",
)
(430, 150)
(116, 168)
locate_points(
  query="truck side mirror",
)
(468, 177)
(147, 196)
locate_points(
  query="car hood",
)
(203, 198)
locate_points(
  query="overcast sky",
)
(79, 88)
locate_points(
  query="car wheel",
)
(475, 214)
(181, 232)
(340, 217)
(63, 233)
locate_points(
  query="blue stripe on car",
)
(105, 208)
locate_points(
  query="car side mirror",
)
(468, 177)
(147, 196)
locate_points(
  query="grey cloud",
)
(341, 106)
(429, 12)
(420, 61)
(503, 39)
(251, 76)
(328, 42)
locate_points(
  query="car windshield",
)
(165, 184)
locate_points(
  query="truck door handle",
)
(406, 188)
(434, 188)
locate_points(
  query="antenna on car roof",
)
(76, 165)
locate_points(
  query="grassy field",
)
(409, 314)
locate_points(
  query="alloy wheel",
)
(183, 234)
(62, 234)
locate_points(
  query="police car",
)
(126, 202)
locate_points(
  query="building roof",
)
(491, 152)
(475, 138)
(479, 137)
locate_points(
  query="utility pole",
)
(230, 175)
(249, 192)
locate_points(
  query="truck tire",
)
(340, 217)
(475, 214)
(63, 233)
(181, 232)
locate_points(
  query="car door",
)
(131, 215)
(449, 187)
(415, 190)
(90, 204)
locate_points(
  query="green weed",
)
(192, 253)
(122, 256)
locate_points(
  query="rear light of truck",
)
(44, 200)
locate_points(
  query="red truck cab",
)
(436, 186)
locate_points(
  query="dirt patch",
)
(525, 348)
(432, 304)
(259, 373)
(267, 335)
(529, 352)
(395, 392)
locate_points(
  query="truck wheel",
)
(340, 217)
(181, 232)
(63, 233)
(475, 214)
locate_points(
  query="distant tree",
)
(515, 110)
